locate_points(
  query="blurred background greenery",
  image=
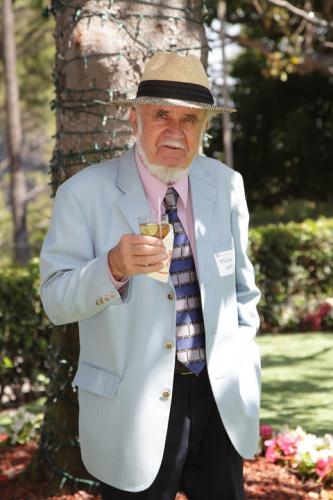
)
(278, 72)
(282, 132)
(280, 79)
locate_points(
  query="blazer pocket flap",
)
(96, 379)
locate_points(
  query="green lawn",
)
(298, 381)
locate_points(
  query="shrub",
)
(289, 210)
(294, 271)
(24, 333)
(21, 425)
(308, 455)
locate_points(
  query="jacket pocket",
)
(221, 261)
(96, 380)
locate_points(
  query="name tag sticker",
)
(225, 262)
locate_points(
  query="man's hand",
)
(136, 254)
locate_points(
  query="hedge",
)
(24, 333)
(294, 271)
(293, 264)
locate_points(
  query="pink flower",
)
(324, 309)
(266, 431)
(316, 323)
(3, 437)
(314, 320)
(272, 453)
(324, 468)
(288, 444)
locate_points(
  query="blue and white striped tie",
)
(190, 344)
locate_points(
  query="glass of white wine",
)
(155, 226)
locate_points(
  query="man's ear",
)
(208, 119)
(206, 125)
(133, 117)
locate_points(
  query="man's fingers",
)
(148, 260)
(148, 269)
(138, 245)
(140, 239)
(142, 250)
(136, 254)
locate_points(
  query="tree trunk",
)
(226, 119)
(101, 52)
(14, 137)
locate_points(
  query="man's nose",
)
(176, 130)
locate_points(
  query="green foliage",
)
(5, 231)
(35, 57)
(288, 44)
(290, 210)
(38, 215)
(294, 271)
(23, 424)
(38, 212)
(24, 333)
(282, 134)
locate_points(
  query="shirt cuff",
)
(116, 283)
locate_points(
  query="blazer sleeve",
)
(248, 294)
(75, 283)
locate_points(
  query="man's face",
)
(169, 135)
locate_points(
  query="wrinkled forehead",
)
(175, 112)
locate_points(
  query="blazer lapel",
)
(133, 203)
(203, 193)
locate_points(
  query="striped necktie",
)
(190, 343)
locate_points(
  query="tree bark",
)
(102, 48)
(226, 119)
(14, 137)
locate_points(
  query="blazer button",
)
(169, 345)
(98, 302)
(171, 296)
(166, 394)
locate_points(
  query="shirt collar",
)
(155, 189)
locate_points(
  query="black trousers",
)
(199, 458)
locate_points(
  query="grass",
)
(297, 381)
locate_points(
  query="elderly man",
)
(169, 373)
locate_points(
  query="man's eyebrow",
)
(190, 115)
(160, 112)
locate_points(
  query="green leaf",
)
(7, 362)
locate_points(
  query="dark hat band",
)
(175, 90)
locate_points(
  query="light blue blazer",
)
(125, 368)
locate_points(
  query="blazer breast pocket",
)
(221, 261)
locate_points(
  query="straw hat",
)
(174, 80)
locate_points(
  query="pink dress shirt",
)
(155, 192)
